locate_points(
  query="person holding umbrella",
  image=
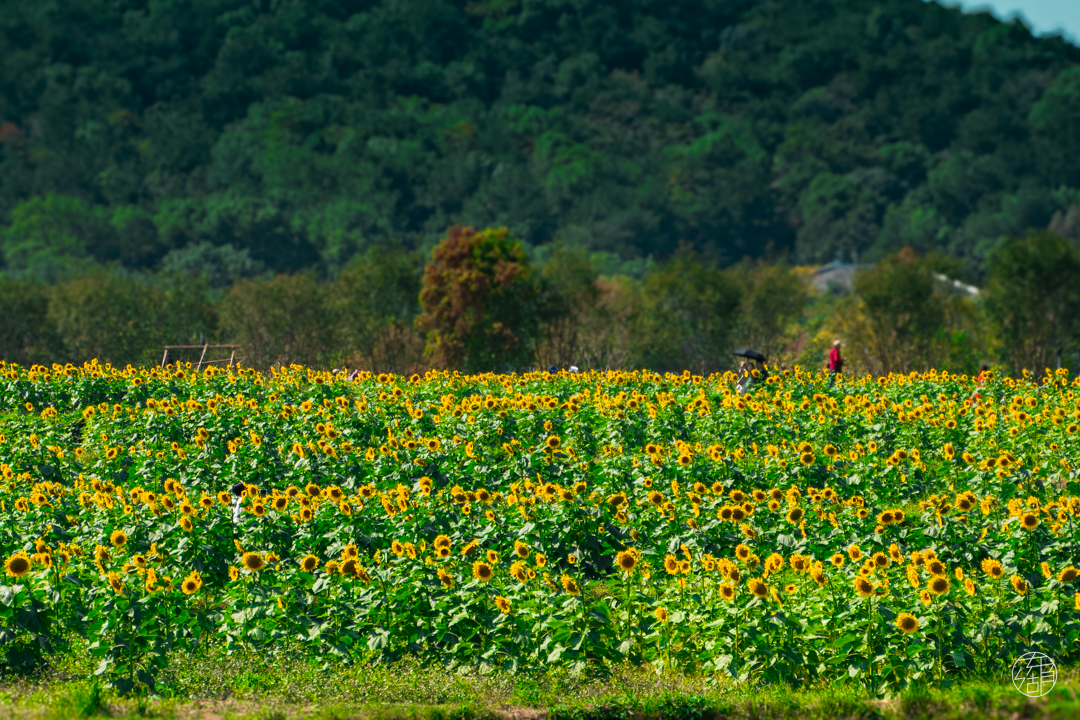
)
(836, 361)
(747, 367)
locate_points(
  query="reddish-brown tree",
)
(480, 302)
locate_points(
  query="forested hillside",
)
(246, 135)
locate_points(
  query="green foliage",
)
(1034, 298)
(773, 298)
(480, 302)
(1053, 123)
(125, 319)
(26, 335)
(50, 237)
(303, 133)
(376, 300)
(281, 320)
(218, 266)
(688, 310)
(909, 313)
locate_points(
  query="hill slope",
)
(302, 131)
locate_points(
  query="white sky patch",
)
(1044, 17)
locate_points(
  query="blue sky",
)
(1042, 16)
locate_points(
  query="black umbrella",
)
(752, 354)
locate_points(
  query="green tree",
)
(27, 334)
(480, 302)
(49, 237)
(1056, 131)
(376, 301)
(687, 312)
(904, 315)
(572, 298)
(117, 318)
(772, 297)
(1033, 297)
(283, 320)
(841, 216)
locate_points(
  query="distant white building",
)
(838, 278)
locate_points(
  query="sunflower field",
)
(883, 531)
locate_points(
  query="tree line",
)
(277, 136)
(480, 302)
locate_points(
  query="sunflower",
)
(570, 585)
(349, 568)
(116, 583)
(993, 568)
(864, 587)
(186, 524)
(309, 563)
(895, 554)
(191, 584)
(1068, 574)
(306, 514)
(503, 604)
(727, 592)
(553, 442)
(837, 560)
(521, 549)
(855, 553)
(936, 568)
(906, 623)
(482, 571)
(742, 552)
(1019, 584)
(661, 614)
(807, 458)
(280, 503)
(17, 565)
(446, 579)
(886, 518)
(671, 565)
(492, 557)
(757, 587)
(118, 539)
(795, 515)
(969, 586)
(1029, 521)
(254, 561)
(881, 560)
(939, 585)
(626, 561)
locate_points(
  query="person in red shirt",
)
(836, 362)
(984, 375)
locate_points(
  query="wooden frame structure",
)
(232, 359)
